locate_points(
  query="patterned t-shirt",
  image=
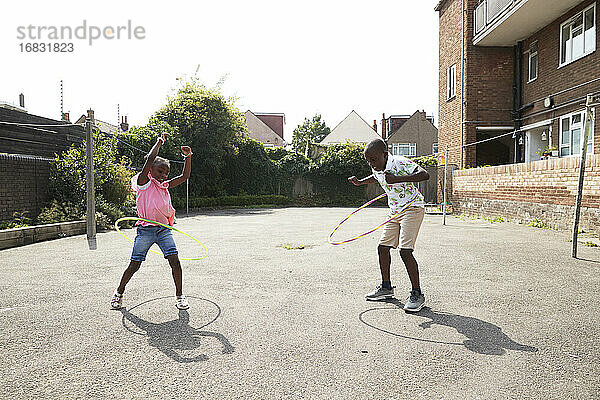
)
(399, 194)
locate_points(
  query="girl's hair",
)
(161, 161)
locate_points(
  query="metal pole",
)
(445, 182)
(589, 115)
(89, 186)
(187, 197)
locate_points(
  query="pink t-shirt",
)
(153, 202)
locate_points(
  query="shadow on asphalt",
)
(176, 335)
(588, 260)
(482, 337)
(230, 212)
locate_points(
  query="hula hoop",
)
(166, 226)
(330, 240)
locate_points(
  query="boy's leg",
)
(385, 259)
(410, 225)
(411, 267)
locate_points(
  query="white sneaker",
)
(181, 302)
(116, 301)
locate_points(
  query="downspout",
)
(517, 95)
(462, 88)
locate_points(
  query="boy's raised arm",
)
(143, 176)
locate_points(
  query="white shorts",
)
(403, 230)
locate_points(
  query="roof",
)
(415, 122)
(260, 131)
(105, 127)
(353, 128)
(440, 4)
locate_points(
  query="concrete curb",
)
(38, 233)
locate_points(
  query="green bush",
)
(61, 212)
(426, 161)
(331, 171)
(232, 201)
(247, 169)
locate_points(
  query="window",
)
(404, 149)
(451, 82)
(571, 130)
(578, 36)
(533, 62)
(434, 148)
(480, 17)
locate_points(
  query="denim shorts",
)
(147, 236)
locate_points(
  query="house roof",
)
(419, 121)
(353, 128)
(440, 4)
(260, 131)
(103, 126)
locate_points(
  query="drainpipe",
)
(462, 88)
(517, 94)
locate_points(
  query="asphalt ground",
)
(278, 313)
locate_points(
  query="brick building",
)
(516, 65)
(520, 69)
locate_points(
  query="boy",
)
(396, 175)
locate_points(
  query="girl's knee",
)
(174, 261)
(134, 266)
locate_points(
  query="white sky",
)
(297, 58)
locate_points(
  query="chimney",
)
(90, 114)
(124, 124)
(22, 100)
(65, 117)
(375, 125)
(383, 127)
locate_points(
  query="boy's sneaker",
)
(415, 301)
(380, 293)
(181, 302)
(116, 301)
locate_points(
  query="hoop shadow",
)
(171, 336)
(482, 337)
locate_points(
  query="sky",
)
(298, 58)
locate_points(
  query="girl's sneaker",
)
(116, 301)
(181, 302)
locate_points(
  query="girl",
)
(154, 203)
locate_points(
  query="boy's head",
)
(160, 169)
(376, 154)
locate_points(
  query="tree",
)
(313, 130)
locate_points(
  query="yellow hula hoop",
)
(166, 226)
(406, 206)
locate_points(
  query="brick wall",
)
(24, 185)
(449, 129)
(552, 79)
(520, 192)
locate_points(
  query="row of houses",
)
(409, 135)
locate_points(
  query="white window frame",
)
(480, 9)
(568, 146)
(537, 66)
(434, 148)
(569, 47)
(412, 149)
(451, 82)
